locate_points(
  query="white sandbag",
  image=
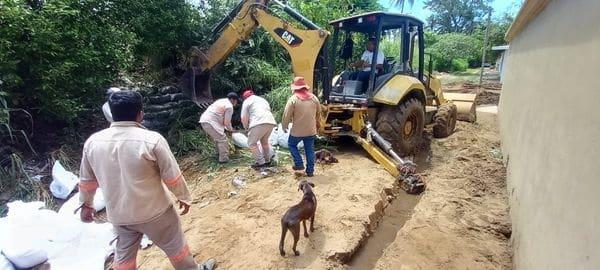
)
(63, 181)
(239, 140)
(30, 236)
(24, 255)
(5, 263)
(282, 137)
(68, 208)
(273, 136)
(87, 251)
(26, 227)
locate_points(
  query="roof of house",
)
(500, 48)
(528, 12)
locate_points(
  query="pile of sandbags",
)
(31, 235)
(278, 137)
(165, 105)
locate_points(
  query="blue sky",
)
(418, 10)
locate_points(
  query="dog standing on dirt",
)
(299, 213)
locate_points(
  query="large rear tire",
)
(444, 120)
(402, 125)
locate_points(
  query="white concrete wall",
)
(550, 129)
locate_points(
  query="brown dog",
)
(297, 213)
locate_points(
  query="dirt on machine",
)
(385, 114)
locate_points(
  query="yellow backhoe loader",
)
(385, 112)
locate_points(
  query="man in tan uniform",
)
(303, 110)
(135, 167)
(259, 121)
(216, 119)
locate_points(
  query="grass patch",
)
(470, 75)
(277, 99)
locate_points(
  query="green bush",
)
(58, 58)
(456, 46)
(278, 98)
(459, 65)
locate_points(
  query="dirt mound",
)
(487, 97)
(461, 221)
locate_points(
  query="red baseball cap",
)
(247, 93)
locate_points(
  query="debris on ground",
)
(487, 97)
(324, 156)
(238, 182)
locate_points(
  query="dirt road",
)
(462, 221)
(459, 222)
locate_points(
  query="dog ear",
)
(311, 184)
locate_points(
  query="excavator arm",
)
(303, 45)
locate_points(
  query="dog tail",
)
(284, 229)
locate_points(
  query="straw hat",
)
(299, 84)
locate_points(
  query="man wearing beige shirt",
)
(135, 167)
(303, 111)
(216, 119)
(259, 121)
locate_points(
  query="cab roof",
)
(367, 22)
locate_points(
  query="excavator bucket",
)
(465, 104)
(196, 85)
(195, 82)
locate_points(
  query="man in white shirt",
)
(365, 63)
(258, 119)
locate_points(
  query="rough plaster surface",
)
(550, 130)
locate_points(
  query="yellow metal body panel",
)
(396, 88)
(379, 156)
(436, 86)
(304, 56)
(255, 13)
(357, 124)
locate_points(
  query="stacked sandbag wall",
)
(165, 106)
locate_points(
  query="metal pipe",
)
(296, 15)
(385, 145)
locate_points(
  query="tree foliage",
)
(57, 57)
(456, 46)
(456, 16)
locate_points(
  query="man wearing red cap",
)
(303, 110)
(259, 121)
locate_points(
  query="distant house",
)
(549, 116)
(502, 59)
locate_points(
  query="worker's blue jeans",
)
(309, 150)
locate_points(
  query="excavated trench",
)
(395, 215)
(390, 214)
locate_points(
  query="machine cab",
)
(368, 50)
